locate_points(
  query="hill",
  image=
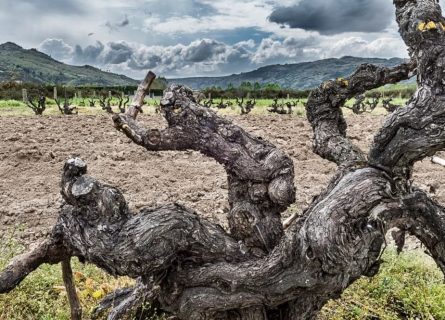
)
(18, 64)
(306, 75)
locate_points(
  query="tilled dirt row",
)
(33, 150)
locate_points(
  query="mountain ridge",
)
(300, 76)
(31, 65)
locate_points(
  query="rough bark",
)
(416, 131)
(260, 176)
(196, 270)
(46, 252)
(73, 299)
(37, 107)
(325, 115)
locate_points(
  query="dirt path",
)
(33, 150)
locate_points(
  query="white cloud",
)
(385, 47)
(230, 15)
(208, 56)
(57, 49)
(187, 37)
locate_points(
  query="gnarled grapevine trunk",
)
(194, 269)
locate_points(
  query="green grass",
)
(11, 104)
(41, 296)
(397, 87)
(408, 286)
(18, 108)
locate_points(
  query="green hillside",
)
(32, 66)
(300, 76)
(18, 64)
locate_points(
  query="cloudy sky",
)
(181, 38)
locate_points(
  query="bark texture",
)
(194, 269)
(73, 300)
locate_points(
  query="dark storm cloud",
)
(149, 62)
(204, 50)
(336, 16)
(118, 53)
(89, 54)
(205, 54)
(300, 43)
(238, 57)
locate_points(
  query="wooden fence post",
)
(25, 95)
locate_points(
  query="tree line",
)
(13, 90)
(274, 91)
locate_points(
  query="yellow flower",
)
(431, 25)
(98, 294)
(343, 82)
(425, 26)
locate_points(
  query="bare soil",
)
(33, 150)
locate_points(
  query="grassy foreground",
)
(408, 286)
(42, 295)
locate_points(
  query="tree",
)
(272, 87)
(194, 269)
(246, 86)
